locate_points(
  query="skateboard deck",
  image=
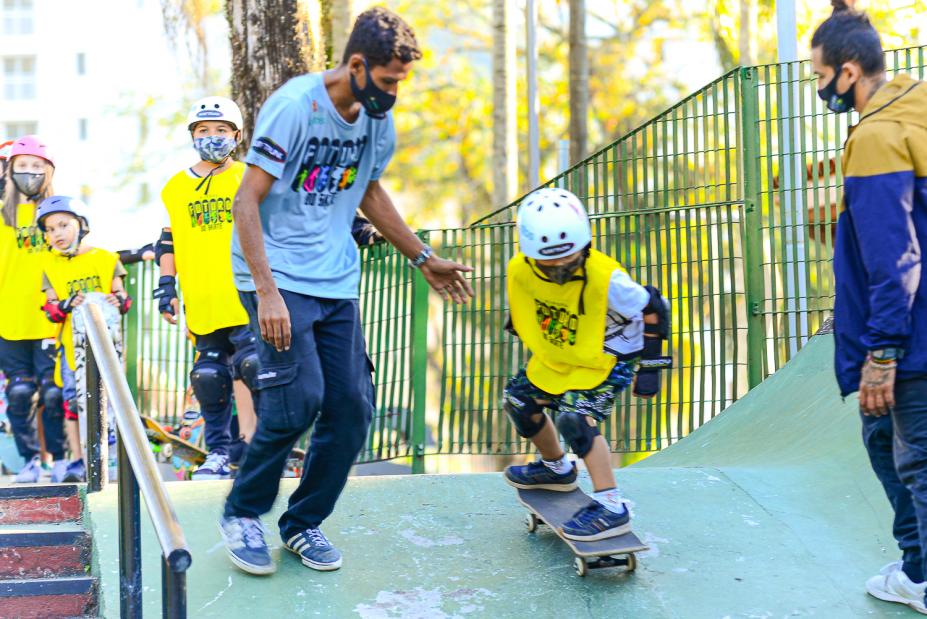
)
(554, 508)
(183, 456)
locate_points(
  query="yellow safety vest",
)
(567, 345)
(201, 225)
(23, 250)
(89, 272)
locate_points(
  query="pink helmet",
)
(31, 145)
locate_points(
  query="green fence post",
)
(420, 291)
(130, 336)
(752, 233)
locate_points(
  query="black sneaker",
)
(537, 476)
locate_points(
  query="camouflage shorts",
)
(597, 402)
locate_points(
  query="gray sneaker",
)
(216, 466)
(244, 542)
(315, 550)
(30, 473)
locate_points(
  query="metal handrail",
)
(138, 473)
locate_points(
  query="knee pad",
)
(522, 411)
(19, 393)
(248, 369)
(51, 396)
(577, 432)
(212, 380)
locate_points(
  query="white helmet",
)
(214, 108)
(552, 223)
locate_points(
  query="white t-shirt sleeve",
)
(626, 296)
(624, 328)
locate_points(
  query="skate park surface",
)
(770, 510)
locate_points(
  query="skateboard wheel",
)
(632, 562)
(531, 521)
(167, 450)
(579, 564)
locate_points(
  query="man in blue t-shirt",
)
(320, 145)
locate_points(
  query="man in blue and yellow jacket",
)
(880, 309)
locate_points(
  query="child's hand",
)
(113, 300)
(77, 300)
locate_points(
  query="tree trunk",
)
(579, 81)
(746, 58)
(272, 41)
(342, 21)
(504, 107)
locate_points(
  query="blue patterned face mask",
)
(215, 148)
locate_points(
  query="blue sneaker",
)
(76, 472)
(315, 550)
(595, 522)
(30, 473)
(59, 468)
(536, 476)
(244, 542)
(215, 467)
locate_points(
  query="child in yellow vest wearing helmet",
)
(586, 324)
(71, 269)
(196, 247)
(26, 346)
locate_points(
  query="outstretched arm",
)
(445, 276)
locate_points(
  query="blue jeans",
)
(30, 366)
(325, 380)
(897, 447)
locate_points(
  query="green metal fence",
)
(727, 201)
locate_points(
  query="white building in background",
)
(101, 84)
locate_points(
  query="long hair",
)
(13, 197)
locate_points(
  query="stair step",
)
(44, 503)
(44, 551)
(51, 598)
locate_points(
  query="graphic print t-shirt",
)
(23, 250)
(322, 164)
(200, 213)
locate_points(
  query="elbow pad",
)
(164, 245)
(657, 304)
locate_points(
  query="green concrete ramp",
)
(768, 511)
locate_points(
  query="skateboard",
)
(183, 456)
(554, 508)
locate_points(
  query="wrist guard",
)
(165, 293)
(651, 362)
(54, 312)
(125, 303)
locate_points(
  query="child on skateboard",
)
(586, 323)
(72, 269)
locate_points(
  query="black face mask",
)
(376, 102)
(836, 102)
(28, 183)
(563, 273)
